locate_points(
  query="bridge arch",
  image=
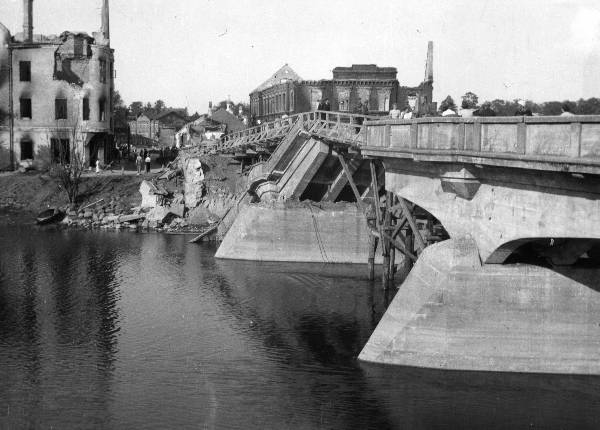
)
(548, 251)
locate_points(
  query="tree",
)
(504, 107)
(447, 103)
(117, 100)
(590, 106)
(136, 108)
(551, 108)
(67, 152)
(469, 100)
(159, 106)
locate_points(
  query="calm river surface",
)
(146, 331)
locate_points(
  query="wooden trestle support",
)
(392, 224)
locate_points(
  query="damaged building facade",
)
(286, 93)
(55, 95)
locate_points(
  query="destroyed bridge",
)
(507, 204)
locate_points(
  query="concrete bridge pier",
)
(452, 312)
(515, 288)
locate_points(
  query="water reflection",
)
(122, 330)
(57, 327)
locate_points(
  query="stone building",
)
(285, 92)
(55, 95)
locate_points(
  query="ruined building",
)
(55, 95)
(285, 92)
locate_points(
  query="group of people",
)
(396, 113)
(143, 157)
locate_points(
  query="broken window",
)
(86, 109)
(102, 110)
(60, 108)
(26, 149)
(60, 151)
(25, 71)
(25, 108)
(102, 71)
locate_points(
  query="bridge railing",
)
(260, 133)
(343, 127)
(570, 139)
(347, 128)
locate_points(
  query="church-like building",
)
(286, 93)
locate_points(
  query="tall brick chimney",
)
(429, 64)
(28, 20)
(105, 28)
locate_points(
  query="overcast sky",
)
(188, 52)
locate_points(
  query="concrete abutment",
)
(299, 232)
(454, 313)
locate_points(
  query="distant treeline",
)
(500, 107)
(590, 106)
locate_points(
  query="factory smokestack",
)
(429, 64)
(105, 29)
(28, 20)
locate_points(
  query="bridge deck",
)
(568, 144)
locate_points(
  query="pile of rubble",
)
(188, 205)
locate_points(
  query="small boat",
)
(50, 216)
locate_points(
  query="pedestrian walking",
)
(148, 160)
(138, 163)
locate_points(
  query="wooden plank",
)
(204, 234)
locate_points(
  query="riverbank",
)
(112, 199)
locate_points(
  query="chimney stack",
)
(429, 64)
(105, 28)
(28, 20)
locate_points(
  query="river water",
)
(129, 331)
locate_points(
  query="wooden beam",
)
(401, 222)
(401, 247)
(372, 251)
(387, 220)
(351, 182)
(413, 224)
(375, 187)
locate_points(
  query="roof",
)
(231, 121)
(284, 73)
(169, 112)
(205, 122)
(142, 116)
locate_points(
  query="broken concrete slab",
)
(129, 218)
(177, 209)
(164, 214)
(149, 192)
(193, 185)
